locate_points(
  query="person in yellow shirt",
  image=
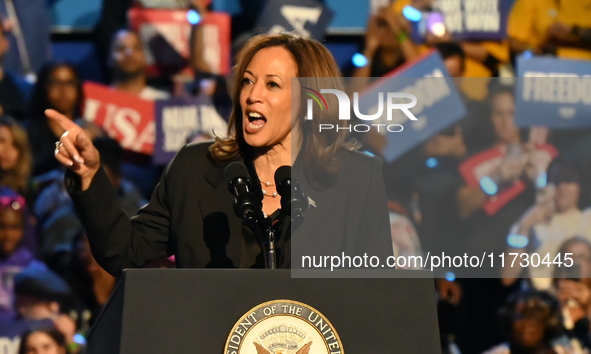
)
(528, 23)
(551, 26)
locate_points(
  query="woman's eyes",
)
(270, 84)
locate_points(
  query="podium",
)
(197, 310)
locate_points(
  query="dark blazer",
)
(191, 216)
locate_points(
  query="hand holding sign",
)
(511, 170)
(75, 150)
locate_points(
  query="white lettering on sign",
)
(177, 124)
(429, 90)
(121, 123)
(563, 88)
(298, 16)
(470, 15)
(8, 345)
(483, 22)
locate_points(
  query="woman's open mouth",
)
(255, 121)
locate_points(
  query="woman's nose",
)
(256, 93)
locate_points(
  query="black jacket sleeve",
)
(116, 241)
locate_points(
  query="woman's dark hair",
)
(495, 89)
(452, 49)
(565, 168)
(40, 100)
(536, 305)
(318, 67)
(57, 336)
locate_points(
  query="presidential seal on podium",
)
(283, 327)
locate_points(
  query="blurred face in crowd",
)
(567, 196)
(127, 54)
(454, 66)
(502, 117)
(528, 332)
(42, 343)
(9, 154)
(11, 230)
(62, 89)
(265, 98)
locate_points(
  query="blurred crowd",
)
(51, 288)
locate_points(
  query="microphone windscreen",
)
(282, 173)
(236, 170)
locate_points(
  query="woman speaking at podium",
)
(190, 214)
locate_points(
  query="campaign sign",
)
(183, 120)
(475, 20)
(308, 18)
(553, 92)
(124, 117)
(483, 164)
(438, 103)
(166, 34)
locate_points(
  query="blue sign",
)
(180, 121)
(309, 18)
(72, 15)
(438, 105)
(551, 92)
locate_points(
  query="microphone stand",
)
(255, 225)
(272, 233)
(271, 255)
(249, 208)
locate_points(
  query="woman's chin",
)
(255, 142)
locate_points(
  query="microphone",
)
(246, 204)
(292, 197)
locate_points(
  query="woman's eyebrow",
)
(268, 75)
